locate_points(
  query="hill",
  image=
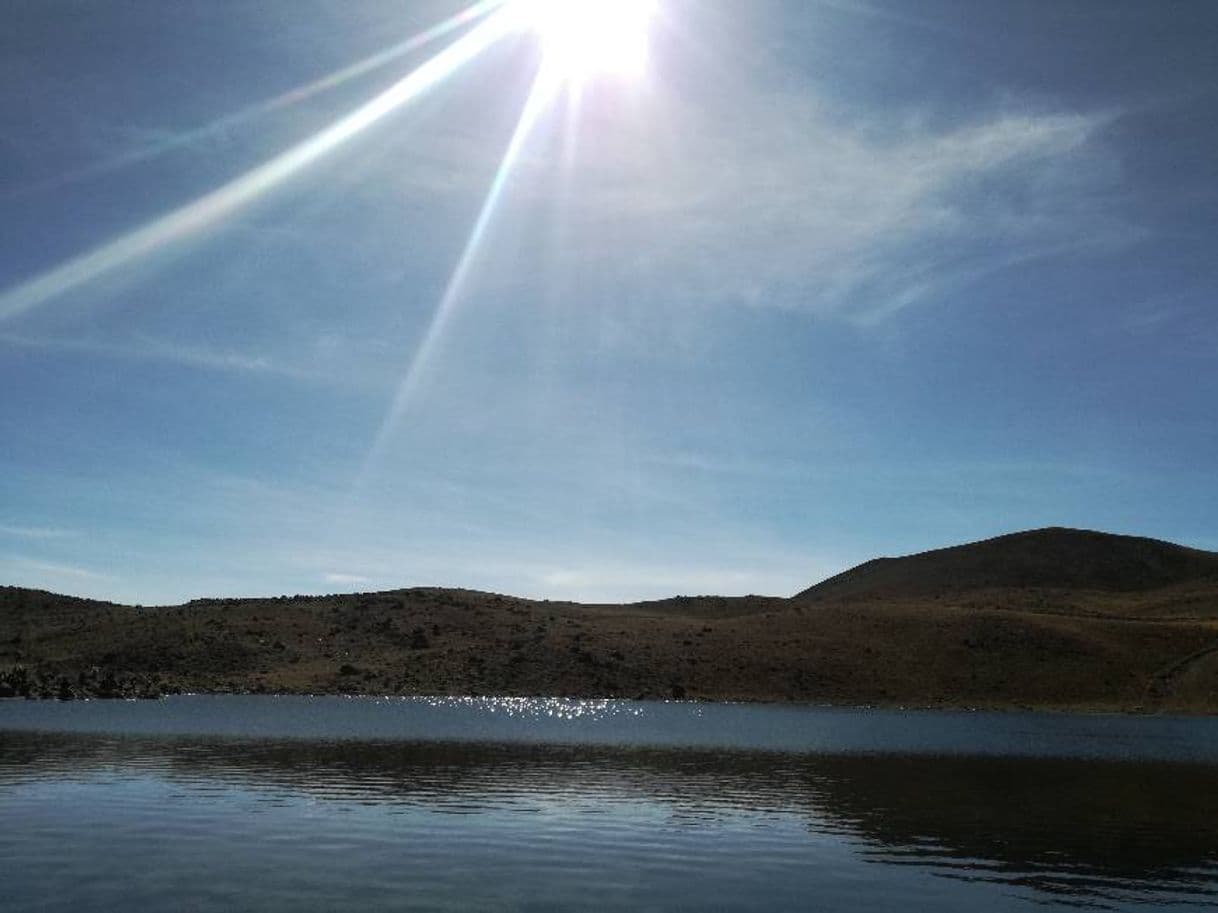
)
(1060, 619)
(1054, 558)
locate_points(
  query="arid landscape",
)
(1053, 618)
(595, 343)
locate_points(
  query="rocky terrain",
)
(1054, 618)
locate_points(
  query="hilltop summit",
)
(1054, 557)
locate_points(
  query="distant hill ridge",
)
(1052, 618)
(1054, 557)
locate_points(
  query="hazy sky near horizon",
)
(833, 279)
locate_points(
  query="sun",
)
(583, 38)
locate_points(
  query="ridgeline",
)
(1050, 619)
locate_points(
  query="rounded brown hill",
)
(1053, 558)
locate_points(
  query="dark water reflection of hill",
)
(1077, 830)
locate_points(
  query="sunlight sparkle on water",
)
(557, 708)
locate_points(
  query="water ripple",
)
(100, 821)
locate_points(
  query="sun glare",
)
(582, 38)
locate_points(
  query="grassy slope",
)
(1083, 632)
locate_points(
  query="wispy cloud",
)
(145, 348)
(587, 572)
(1151, 316)
(346, 579)
(37, 532)
(788, 203)
(24, 566)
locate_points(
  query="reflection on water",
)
(773, 727)
(98, 822)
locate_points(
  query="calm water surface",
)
(256, 803)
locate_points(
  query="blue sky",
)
(830, 280)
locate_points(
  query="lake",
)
(328, 803)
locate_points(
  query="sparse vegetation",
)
(1066, 620)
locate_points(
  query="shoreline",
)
(1087, 710)
(961, 628)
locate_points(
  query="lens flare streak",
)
(228, 199)
(545, 86)
(552, 20)
(186, 138)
